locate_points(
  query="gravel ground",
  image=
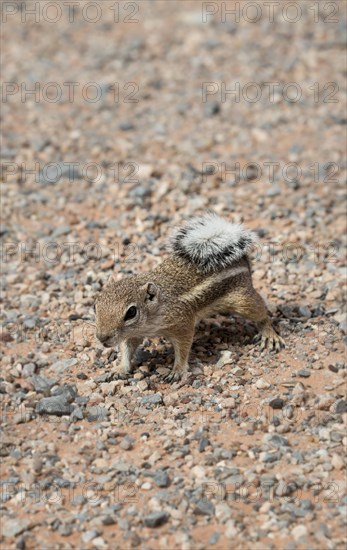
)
(250, 452)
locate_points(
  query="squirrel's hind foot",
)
(273, 342)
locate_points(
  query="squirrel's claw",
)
(119, 373)
(175, 376)
(271, 341)
(276, 342)
(119, 376)
(172, 377)
(279, 343)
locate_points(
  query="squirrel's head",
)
(126, 309)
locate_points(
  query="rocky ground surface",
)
(250, 453)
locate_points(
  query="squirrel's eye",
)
(131, 313)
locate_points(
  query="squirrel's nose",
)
(103, 338)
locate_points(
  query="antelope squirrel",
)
(206, 272)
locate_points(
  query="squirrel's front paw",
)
(176, 375)
(120, 372)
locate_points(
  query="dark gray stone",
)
(341, 406)
(161, 478)
(31, 322)
(304, 373)
(271, 457)
(3, 229)
(54, 405)
(336, 436)
(204, 508)
(212, 108)
(53, 173)
(203, 443)
(318, 311)
(60, 403)
(28, 370)
(304, 311)
(68, 390)
(156, 519)
(154, 399)
(214, 538)
(107, 377)
(307, 504)
(276, 440)
(97, 413)
(108, 520)
(276, 403)
(77, 414)
(333, 368)
(126, 126)
(140, 191)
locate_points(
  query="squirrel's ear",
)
(109, 280)
(152, 292)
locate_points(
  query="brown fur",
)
(170, 300)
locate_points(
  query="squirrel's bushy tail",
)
(211, 243)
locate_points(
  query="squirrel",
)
(207, 271)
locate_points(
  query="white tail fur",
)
(211, 243)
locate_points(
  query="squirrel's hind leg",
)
(247, 302)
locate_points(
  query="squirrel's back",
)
(211, 243)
